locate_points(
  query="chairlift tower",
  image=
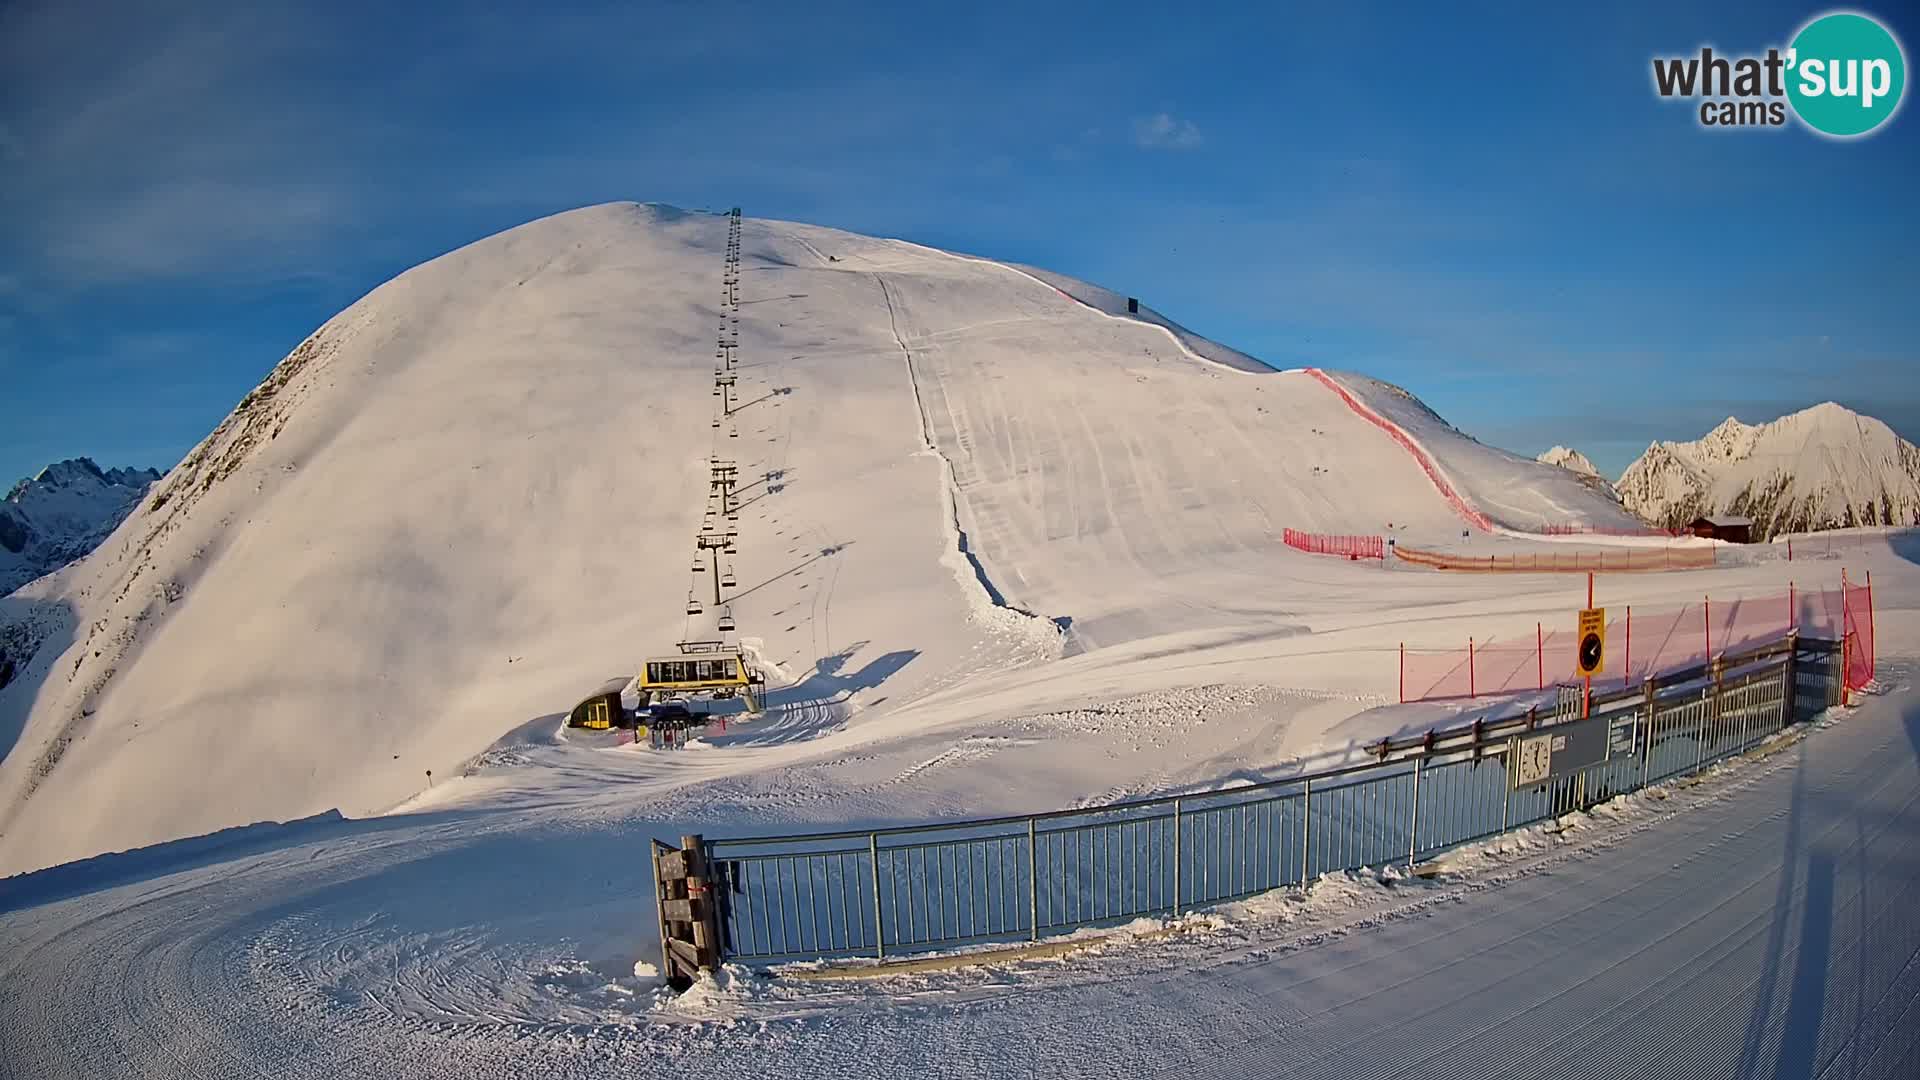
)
(714, 544)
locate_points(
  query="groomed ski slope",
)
(470, 498)
(1757, 924)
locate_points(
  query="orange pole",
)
(1873, 637)
(1706, 623)
(1540, 656)
(1403, 673)
(1586, 696)
(1846, 639)
(1473, 689)
(1626, 674)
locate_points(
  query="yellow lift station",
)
(712, 668)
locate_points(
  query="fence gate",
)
(689, 912)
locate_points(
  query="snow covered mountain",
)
(471, 497)
(1578, 464)
(60, 514)
(1572, 460)
(1820, 468)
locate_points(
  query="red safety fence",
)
(1606, 530)
(1353, 547)
(1420, 458)
(1857, 616)
(1618, 560)
(1643, 643)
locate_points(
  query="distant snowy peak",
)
(61, 513)
(1581, 466)
(1820, 468)
(1572, 460)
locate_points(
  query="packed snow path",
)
(1759, 924)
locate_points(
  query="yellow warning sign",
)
(1592, 639)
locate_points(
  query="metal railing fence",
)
(883, 892)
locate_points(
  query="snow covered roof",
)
(1725, 521)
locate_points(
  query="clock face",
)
(1534, 761)
(1590, 653)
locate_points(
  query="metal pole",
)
(1306, 832)
(1413, 825)
(879, 928)
(1033, 884)
(1539, 658)
(1176, 858)
(1700, 733)
(1626, 674)
(1506, 790)
(1653, 713)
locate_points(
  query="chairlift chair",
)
(698, 566)
(693, 606)
(726, 620)
(727, 580)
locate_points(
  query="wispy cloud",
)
(1164, 131)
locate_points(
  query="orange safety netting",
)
(1639, 644)
(1621, 560)
(1356, 547)
(1857, 616)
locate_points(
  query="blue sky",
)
(1492, 210)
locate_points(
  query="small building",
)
(1734, 530)
(602, 709)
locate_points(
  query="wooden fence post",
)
(706, 913)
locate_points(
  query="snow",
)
(1752, 916)
(1005, 550)
(61, 513)
(1818, 468)
(468, 499)
(1514, 492)
(1570, 459)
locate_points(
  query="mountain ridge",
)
(1823, 467)
(61, 513)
